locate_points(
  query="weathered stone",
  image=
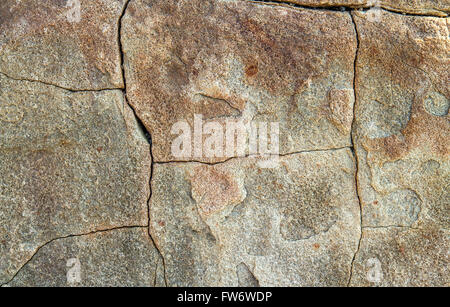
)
(75, 165)
(240, 60)
(402, 144)
(421, 7)
(402, 257)
(295, 225)
(123, 257)
(402, 122)
(71, 163)
(50, 42)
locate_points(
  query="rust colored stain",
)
(251, 70)
(214, 189)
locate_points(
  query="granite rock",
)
(236, 60)
(116, 258)
(402, 257)
(71, 163)
(402, 123)
(419, 7)
(401, 141)
(69, 43)
(235, 223)
(91, 90)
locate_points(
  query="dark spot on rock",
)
(251, 70)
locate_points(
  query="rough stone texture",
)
(234, 223)
(406, 258)
(360, 196)
(421, 7)
(124, 257)
(402, 128)
(402, 122)
(71, 163)
(45, 41)
(240, 60)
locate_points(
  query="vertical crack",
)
(353, 141)
(146, 133)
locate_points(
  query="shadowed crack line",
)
(254, 156)
(67, 237)
(220, 100)
(344, 8)
(391, 226)
(144, 130)
(354, 151)
(62, 87)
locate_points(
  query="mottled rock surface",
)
(402, 257)
(402, 124)
(420, 7)
(240, 60)
(236, 224)
(71, 163)
(62, 43)
(122, 257)
(402, 143)
(358, 197)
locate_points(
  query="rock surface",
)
(358, 197)
(402, 122)
(401, 132)
(420, 7)
(237, 60)
(402, 257)
(116, 258)
(236, 224)
(62, 43)
(71, 163)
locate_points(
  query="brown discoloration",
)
(210, 227)
(214, 189)
(250, 55)
(402, 122)
(409, 54)
(422, 131)
(251, 70)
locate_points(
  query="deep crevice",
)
(353, 140)
(144, 130)
(304, 6)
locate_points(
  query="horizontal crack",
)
(66, 237)
(391, 226)
(343, 8)
(219, 100)
(59, 86)
(253, 156)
